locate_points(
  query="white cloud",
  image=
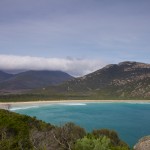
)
(75, 67)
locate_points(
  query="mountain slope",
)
(124, 80)
(4, 76)
(34, 79)
(114, 75)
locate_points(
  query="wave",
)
(27, 107)
(73, 104)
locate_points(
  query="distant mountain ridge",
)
(115, 74)
(4, 76)
(32, 79)
(124, 80)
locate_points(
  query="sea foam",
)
(73, 104)
(27, 107)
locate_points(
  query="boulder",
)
(143, 144)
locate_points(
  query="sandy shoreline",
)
(15, 104)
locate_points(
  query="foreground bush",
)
(92, 143)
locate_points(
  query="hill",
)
(33, 79)
(126, 80)
(4, 76)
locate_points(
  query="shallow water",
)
(130, 120)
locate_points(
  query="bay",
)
(130, 120)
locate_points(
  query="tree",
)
(112, 135)
(68, 134)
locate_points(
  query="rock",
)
(143, 144)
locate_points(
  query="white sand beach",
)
(7, 105)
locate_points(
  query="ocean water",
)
(130, 120)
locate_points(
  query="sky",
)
(75, 36)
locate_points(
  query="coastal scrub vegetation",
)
(21, 132)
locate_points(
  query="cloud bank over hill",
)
(73, 66)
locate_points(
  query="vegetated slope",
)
(127, 80)
(34, 79)
(4, 76)
(23, 132)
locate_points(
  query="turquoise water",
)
(130, 120)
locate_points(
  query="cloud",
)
(87, 29)
(66, 25)
(75, 67)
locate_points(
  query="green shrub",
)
(92, 143)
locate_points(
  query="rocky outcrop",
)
(143, 144)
